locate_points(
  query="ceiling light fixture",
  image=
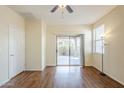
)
(67, 7)
(62, 7)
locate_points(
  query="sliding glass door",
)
(69, 50)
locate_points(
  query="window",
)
(99, 40)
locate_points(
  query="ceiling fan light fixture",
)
(62, 6)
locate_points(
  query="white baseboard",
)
(88, 65)
(112, 77)
(33, 70)
(4, 82)
(50, 65)
(10, 78)
(117, 80)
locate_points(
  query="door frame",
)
(82, 59)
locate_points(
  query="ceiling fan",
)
(67, 7)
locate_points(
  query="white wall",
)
(43, 44)
(114, 52)
(53, 31)
(8, 16)
(35, 44)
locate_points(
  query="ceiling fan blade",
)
(54, 9)
(69, 9)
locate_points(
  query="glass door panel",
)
(75, 51)
(62, 50)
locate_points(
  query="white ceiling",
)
(83, 14)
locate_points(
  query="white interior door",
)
(11, 51)
(16, 50)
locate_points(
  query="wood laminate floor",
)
(62, 77)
